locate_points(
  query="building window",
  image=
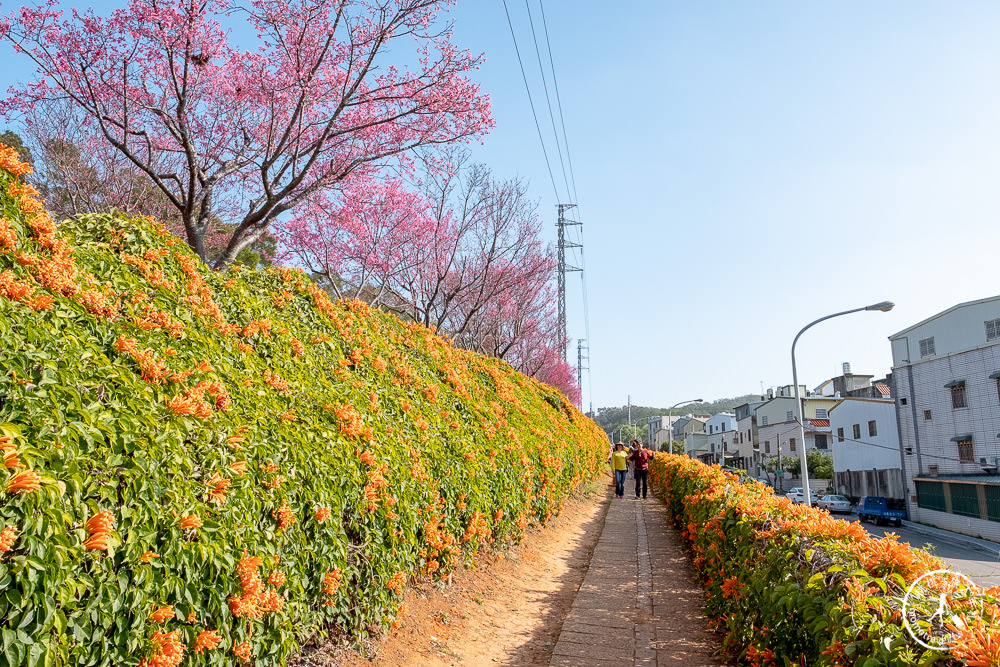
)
(820, 440)
(927, 347)
(767, 446)
(840, 435)
(927, 415)
(871, 428)
(902, 401)
(998, 388)
(791, 444)
(857, 431)
(965, 453)
(741, 437)
(788, 416)
(958, 397)
(763, 420)
(992, 329)
(821, 413)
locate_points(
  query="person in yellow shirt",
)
(619, 464)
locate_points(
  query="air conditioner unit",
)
(932, 470)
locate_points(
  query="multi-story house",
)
(866, 458)
(857, 386)
(658, 430)
(690, 429)
(721, 429)
(748, 455)
(946, 374)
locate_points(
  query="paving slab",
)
(637, 604)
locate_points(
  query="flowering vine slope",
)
(794, 586)
(212, 468)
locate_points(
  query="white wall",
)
(955, 330)
(878, 451)
(981, 418)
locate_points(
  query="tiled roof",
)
(819, 422)
(882, 388)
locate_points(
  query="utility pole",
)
(630, 412)
(580, 368)
(562, 224)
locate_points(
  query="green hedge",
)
(791, 585)
(211, 468)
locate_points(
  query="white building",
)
(866, 455)
(946, 373)
(748, 453)
(658, 430)
(721, 432)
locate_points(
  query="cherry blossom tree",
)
(244, 135)
(463, 254)
(485, 243)
(358, 241)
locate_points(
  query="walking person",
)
(619, 465)
(640, 457)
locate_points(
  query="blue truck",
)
(876, 509)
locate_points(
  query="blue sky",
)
(745, 168)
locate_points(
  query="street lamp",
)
(670, 416)
(884, 306)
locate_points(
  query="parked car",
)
(834, 503)
(876, 509)
(796, 496)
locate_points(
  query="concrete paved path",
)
(637, 604)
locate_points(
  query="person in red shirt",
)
(641, 456)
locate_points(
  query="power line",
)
(548, 100)
(555, 83)
(871, 444)
(530, 101)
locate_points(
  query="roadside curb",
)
(966, 541)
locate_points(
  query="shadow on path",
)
(638, 604)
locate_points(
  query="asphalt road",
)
(982, 567)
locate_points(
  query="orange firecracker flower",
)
(24, 482)
(208, 639)
(145, 558)
(322, 514)
(397, 583)
(331, 582)
(7, 538)
(10, 161)
(10, 460)
(284, 516)
(163, 613)
(205, 367)
(239, 467)
(277, 578)
(220, 486)
(169, 651)
(243, 651)
(190, 521)
(98, 528)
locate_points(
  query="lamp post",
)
(883, 306)
(722, 453)
(670, 415)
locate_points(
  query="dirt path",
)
(509, 612)
(607, 583)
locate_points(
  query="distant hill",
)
(613, 418)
